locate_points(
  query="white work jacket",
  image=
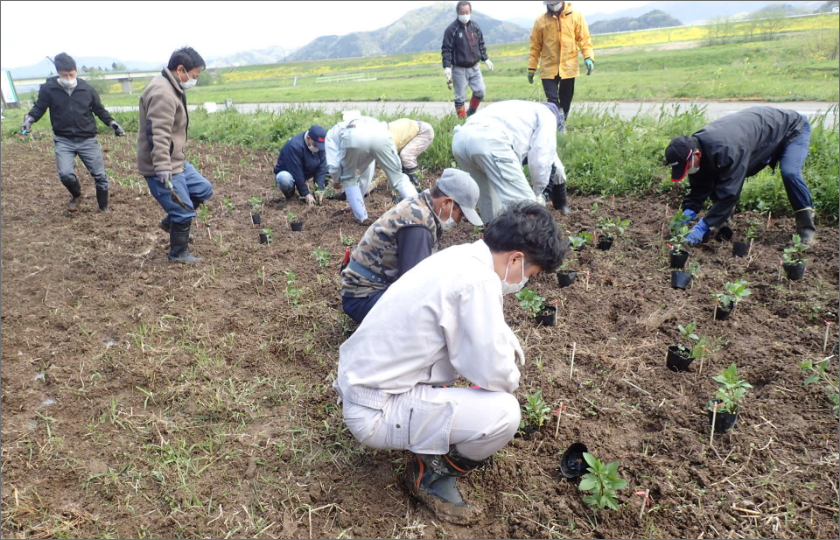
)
(333, 148)
(533, 129)
(442, 319)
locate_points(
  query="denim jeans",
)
(358, 308)
(790, 165)
(66, 150)
(192, 188)
(286, 183)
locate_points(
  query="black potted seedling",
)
(577, 243)
(678, 254)
(565, 277)
(256, 207)
(724, 408)
(726, 302)
(793, 262)
(265, 236)
(536, 412)
(680, 356)
(724, 233)
(296, 226)
(680, 279)
(610, 230)
(533, 304)
(742, 249)
(572, 463)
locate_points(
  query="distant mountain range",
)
(271, 55)
(699, 12)
(653, 19)
(418, 30)
(45, 67)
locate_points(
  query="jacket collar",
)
(172, 80)
(567, 10)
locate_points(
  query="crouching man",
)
(440, 321)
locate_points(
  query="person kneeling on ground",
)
(402, 237)
(442, 320)
(161, 139)
(72, 103)
(301, 158)
(412, 138)
(718, 158)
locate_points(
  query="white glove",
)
(447, 72)
(559, 173)
(310, 200)
(540, 200)
(489, 64)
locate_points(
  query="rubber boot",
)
(558, 198)
(460, 111)
(76, 193)
(179, 239)
(164, 224)
(102, 199)
(431, 480)
(805, 225)
(357, 202)
(474, 103)
(412, 176)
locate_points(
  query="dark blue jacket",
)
(296, 159)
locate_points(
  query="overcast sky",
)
(150, 31)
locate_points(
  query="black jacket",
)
(463, 46)
(735, 147)
(296, 159)
(70, 115)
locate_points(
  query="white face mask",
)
(68, 83)
(189, 84)
(693, 169)
(464, 18)
(450, 223)
(312, 147)
(556, 7)
(508, 288)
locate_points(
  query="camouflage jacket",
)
(378, 249)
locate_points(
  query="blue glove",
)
(691, 215)
(590, 65)
(697, 233)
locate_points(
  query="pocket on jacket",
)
(149, 134)
(420, 426)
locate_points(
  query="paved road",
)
(627, 109)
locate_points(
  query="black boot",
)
(805, 225)
(164, 224)
(558, 198)
(102, 199)
(76, 192)
(431, 479)
(179, 238)
(412, 177)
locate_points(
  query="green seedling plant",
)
(292, 293)
(536, 410)
(203, 213)
(793, 254)
(256, 204)
(731, 391)
(228, 205)
(752, 231)
(587, 236)
(679, 221)
(609, 227)
(819, 372)
(577, 242)
(346, 241)
(530, 302)
(602, 483)
(322, 257)
(291, 217)
(694, 269)
(678, 238)
(696, 350)
(735, 292)
(268, 234)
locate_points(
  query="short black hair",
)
(527, 227)
(187, 57)
(461, 4)
(64, 62)
(438, 193)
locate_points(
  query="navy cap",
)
(677, 154)
(318, 136)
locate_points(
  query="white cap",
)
(462, 189)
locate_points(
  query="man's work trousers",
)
(87, 148)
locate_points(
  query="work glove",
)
(447, 72)
(541, 199)
(165, 178)
(531, 77)
(590, 65)
(489, 64)
(310, 200)
(691, 215)
(697, 233)
(118, 130)
(27, 124)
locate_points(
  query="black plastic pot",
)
(724, 420)
(263, 238)
(794, 272)
(677, 360)
(678, 258)
(548, 316)
(572, 463)
(740, 249)
(297, 226)
(256, 219)
(566, 277)
(680, 279)
(605, 242)
(722, 313)
(725, 234)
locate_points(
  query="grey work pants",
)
(66, 150)
(416, 146)
(364, 145)
(463, 76)
(486, 154)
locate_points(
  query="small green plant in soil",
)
(292, 293)
(530, 302)
(699, 349)
(322, 257)
(613, 228)
(228, 205)
(694, 269)
(819, 372)
(594, 208)
(203, 213)
(678, 238)
(291, 217)
(577, 242)
(602, 483)
(256, 204)
(735, 292)
(752, 231)
(536, 411)
(346, 240)
(268, 234)
(793, 254)
(679, 221)
(731, 391)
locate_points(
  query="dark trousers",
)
(358, 308)
(560, 91)
(791, 161)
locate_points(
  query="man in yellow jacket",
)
(555, 39)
